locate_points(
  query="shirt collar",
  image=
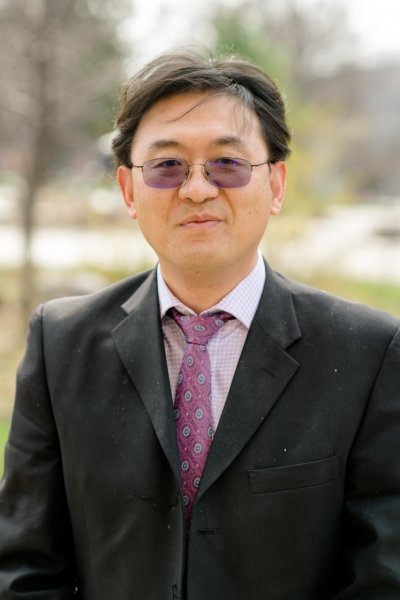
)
(241, 302)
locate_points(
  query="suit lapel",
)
(138, 339)
(263, 372)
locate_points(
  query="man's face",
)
(198, 229)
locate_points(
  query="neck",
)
(201, 291)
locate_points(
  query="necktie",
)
(192, 409)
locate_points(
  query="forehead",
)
(198, 116)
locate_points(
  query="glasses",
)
(223, 172)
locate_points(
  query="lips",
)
(200, 218)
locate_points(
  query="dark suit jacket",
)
(300, 497)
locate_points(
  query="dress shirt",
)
(225, 347)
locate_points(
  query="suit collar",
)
(276, 313)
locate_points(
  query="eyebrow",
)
(162, 144)
(228, 140)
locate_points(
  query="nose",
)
(196, 187)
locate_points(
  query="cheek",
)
(152, 216)
(257, 212)
(250, 214)
(257, 218)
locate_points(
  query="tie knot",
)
(199, 329)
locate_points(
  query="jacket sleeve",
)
(371, 556)
(36, 550)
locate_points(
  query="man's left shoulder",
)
(338, 313)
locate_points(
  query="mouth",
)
(200, 221)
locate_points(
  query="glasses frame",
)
(204, 165)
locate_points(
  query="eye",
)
(166, 163)
(226, 163)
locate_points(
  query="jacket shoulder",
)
(336, 313)
(102, 305)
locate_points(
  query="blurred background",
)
(63, 227)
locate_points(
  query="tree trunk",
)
(43, 40)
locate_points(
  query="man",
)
(284, 482)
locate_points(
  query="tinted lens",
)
(224, 172)
(228, 172)
(164, 173)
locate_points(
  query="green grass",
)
(385, 296)
(4, 426)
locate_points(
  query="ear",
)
(125, 182)
(278, 186)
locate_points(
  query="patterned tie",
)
(192, 409)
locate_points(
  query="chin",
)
(205, 263)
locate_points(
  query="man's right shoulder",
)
(104, 304)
